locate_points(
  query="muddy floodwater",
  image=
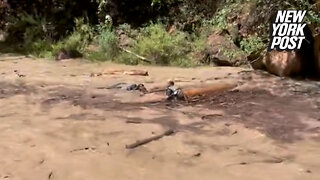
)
(58, 121)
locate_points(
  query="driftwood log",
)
(133, 122)
(204, 91)
(150, 139)
(127, 72)
(209, 89)
(144, 59)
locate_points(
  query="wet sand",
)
(58, 123)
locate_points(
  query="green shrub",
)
(219, 21)
(312, 16)
(128, 59)
(128, 30)
(73, 41)
(41, 48)
(85, 30)
(96, 56)
(34, 28)
(199, 44)
(37, 44)
(157, 45)
(252, 44)
(29, 31)
(79, 39)
(108, 43)
(26, 27)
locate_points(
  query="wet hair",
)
(171, 83)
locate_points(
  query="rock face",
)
(223, 52)
(316, 50)
(3, 36)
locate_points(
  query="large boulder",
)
(223, 52)
(283, 63)
(305, 62)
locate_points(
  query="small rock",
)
(210, 116)
(67, 54)
(197, 155)
(227, 124)
(153, 157)
(235, 132)
(308, 171)
(50, 175)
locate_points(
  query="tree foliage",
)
(176, 27)
(56, 17)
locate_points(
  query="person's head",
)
(142, 88)
(170, 83)
(140, 85)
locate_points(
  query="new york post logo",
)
(286, 32)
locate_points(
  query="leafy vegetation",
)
(252, 44)
(160, 47)
(165, 32)
(78, 40)
(108, 42)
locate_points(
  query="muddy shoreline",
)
(57, 121)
